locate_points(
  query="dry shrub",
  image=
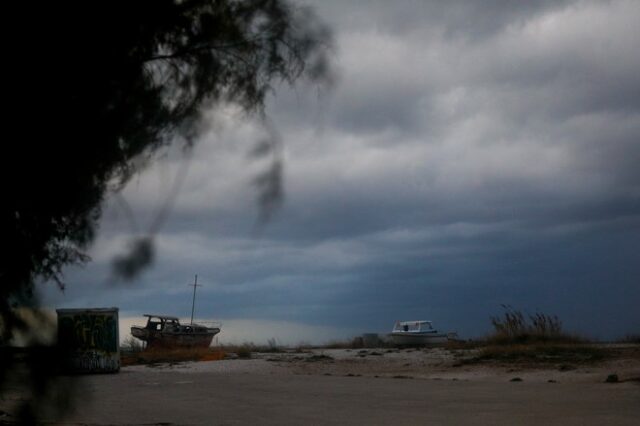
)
(541, 353)
(536, 338)
(171, 355)
(516, 328)
(131, 344)
(243, 351)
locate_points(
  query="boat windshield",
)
(412, 326)
(159, 323)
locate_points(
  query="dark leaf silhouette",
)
(95, 88)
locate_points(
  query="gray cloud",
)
(471, 154)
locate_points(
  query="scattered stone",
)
(402, 377)
(551, 381)
(516, 379)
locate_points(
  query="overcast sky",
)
(470, 154)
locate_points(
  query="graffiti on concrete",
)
(89, 331)
(90, 340)
(94, 361)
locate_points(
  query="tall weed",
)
(515, 327)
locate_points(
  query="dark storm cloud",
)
(471, 154)
(468, 19)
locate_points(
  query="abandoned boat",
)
(417, 333)
(166, 331)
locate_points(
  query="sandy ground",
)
(354, 387)
(431, 363)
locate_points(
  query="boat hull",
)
(155, 339)
(139, 332)
(417, 339)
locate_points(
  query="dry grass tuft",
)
(533, 339)
(516, 328)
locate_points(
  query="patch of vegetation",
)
(354, 343)
(302, 348)
(545, 353)
(170, 355)
(514, 327)
(461, 345)
(243, 351)
(246, 349)
(321, 357)
(131, 345)
(531, 339)
(630, 338)
(272, 346)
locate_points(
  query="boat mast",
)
(193, 304)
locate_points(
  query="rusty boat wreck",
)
(166, 331)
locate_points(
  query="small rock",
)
(551, 381)
(516, 379)
(612, 378)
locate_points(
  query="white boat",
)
(417, 333)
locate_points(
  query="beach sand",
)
(367, 386)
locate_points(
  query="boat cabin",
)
(161, 322)
(413, 327)
(170, 324)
